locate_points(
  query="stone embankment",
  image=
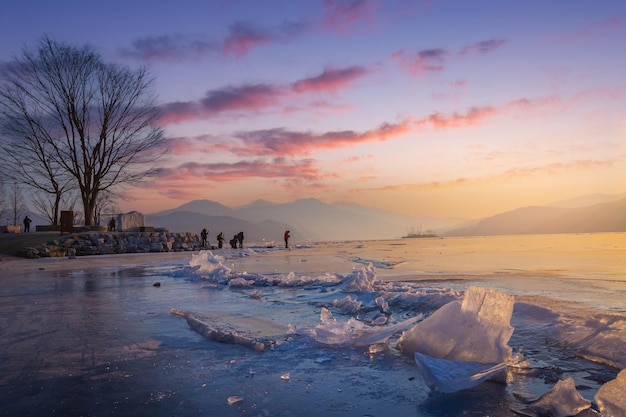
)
(84, 244)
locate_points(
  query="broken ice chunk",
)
(234, 399)
(563, 400)
(610, 397)
(450, 376)
(477, 330)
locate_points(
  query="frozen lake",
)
(102, 341)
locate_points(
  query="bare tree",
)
(29, 161)
(4, 209)
(48, 205)
(81, 119)
(17, 208)
(106, 206)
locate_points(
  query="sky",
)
(459, 109)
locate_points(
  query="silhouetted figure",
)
(287, 236)
(220, 240)
(26, 224)
(240, 239)
(112, 225)
(233, 242)
(204, 235)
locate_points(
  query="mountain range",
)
(311, 219)
(306, 219)
(567, 218)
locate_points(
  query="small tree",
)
(17, 208)
(79, 121)
(49, 205)
(3, 202)
(105, 206)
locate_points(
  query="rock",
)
(28, 252)
(130, 221)
(86, 244)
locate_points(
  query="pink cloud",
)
(281, 142)
(249, 97)
(433, 60)
(191, 145)
(255, 97)
(226, 172)
(339, 15)
(178, 112)
(285, 142)
(457, 120)
(243, 37)
(331, 79)
(482, 48)
(597, 30)
(168, 48)
(428, 60)
(181, 194)
(507, 175)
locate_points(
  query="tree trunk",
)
(88, 211)
(57, 204)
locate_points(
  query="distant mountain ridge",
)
(596, 218)
(307, 219)
(311, 219)
(588, 200)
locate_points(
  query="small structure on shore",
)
(133, 221)
(420, 234)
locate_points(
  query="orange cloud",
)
(503, 176)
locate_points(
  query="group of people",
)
(236, 241)
(204, 236)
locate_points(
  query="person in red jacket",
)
(287, 239)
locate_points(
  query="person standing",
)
(112, 224)
(287, 239)
(220, 240)
(240, 239)
(204, 235)
(26, 224)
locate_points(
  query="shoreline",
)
(597, 257)
(18, 264)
